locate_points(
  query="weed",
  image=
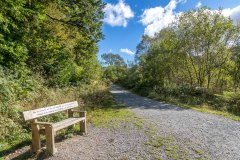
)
(109, 117)
(198, 151)
(167, 147)
(138, 122)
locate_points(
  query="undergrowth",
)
(25, 92)
(201, 108)
(226, 104)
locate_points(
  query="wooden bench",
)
(48, 128)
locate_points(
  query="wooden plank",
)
(83, 124)
(44, 123)
(67, 122)
(70, 115)
(32, 114)
(78, 111)
(50, 141)
(36, 145)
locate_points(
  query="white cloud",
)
(199, 4)
(117, 14)
(233, 13)
(126, 50)
(159, 17)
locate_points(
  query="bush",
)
(230, 101)
(12, 132)
(16, 87)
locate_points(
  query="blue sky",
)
(127, 20)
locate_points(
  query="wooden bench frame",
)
(50, 128)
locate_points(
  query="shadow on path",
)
(134, 101)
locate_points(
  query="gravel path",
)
(217, 136)
(164, 132)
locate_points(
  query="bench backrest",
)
(36, 113)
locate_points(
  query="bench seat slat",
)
(67, 122)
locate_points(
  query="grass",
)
(159, 146)
(139, 122)
(109, 117)
(168, 146)
(199, 151)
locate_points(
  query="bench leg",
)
(50, 141)
(83, 124)
(70, 114)
(36, 144)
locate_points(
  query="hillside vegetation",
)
(194, 62)
(48, 55)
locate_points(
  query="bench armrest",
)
(79, 111)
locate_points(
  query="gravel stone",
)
(219, 137)
(104, 144)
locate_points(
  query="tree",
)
(115, 67)
(63, 46)
(204, 36)
(16, 17)
(199, 49)
(111, 59)
(142, 47)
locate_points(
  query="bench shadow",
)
(6, 152)
(26, 154)
(132, 100)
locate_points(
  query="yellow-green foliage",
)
(11, 132)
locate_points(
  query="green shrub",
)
(227, 101)
(12, 132)
(185, 93)
(16, 87)
(230, 101)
